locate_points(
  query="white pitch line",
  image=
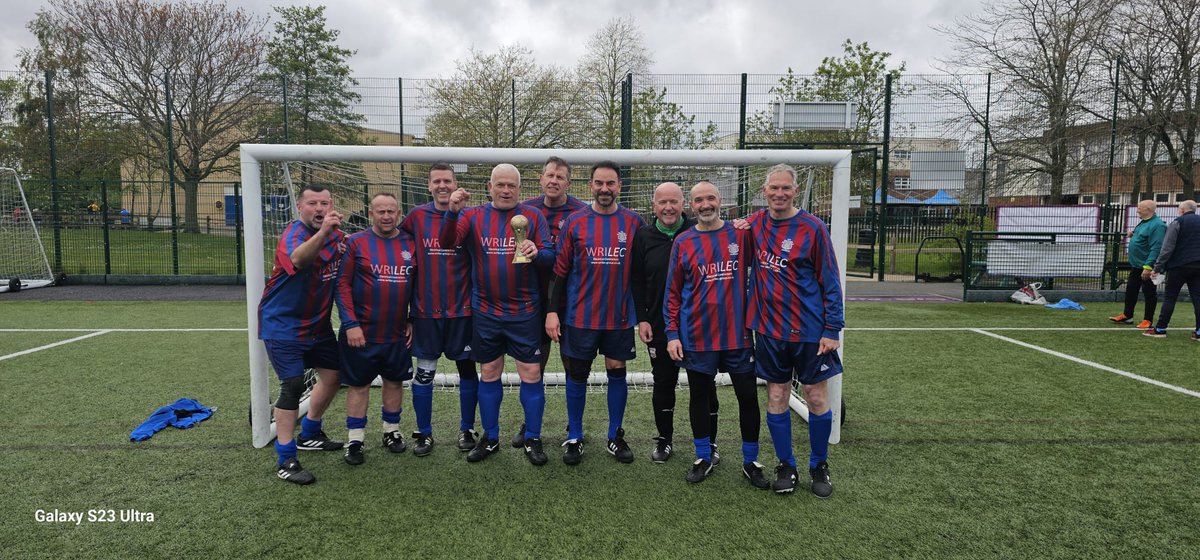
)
(52, 345)
(124, 330)
(1103, 367)
(966, 329)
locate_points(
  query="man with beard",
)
(705, 315)
(593, 266)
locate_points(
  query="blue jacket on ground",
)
(1146, 241)
(183, 413)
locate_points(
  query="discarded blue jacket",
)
(183, 413)
(1065, 303)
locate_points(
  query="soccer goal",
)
(23, 264)
(272, 174)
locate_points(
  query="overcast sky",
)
(423, 38)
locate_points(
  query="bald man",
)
(1145, 240)
(650, 255)
(1179, 259)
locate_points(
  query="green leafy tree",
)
(476, 107)
(214, 57)
(858, 76)
(659, 124)
(304, 57)
(89, 143)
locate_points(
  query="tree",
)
(303, 55)
(1044, 53)
(475, 107)
(89, 146)
(858, 76)
(1157, 43)
(213, 56)
(659, 124)
(613, 52)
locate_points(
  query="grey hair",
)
(1188, 206)
(780, 168)
(506, 167)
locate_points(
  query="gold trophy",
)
(520, 228)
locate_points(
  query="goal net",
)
(273, 174)
(23, 263)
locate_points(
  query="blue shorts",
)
(290, 357)
(391, 361)
(737, 361)
(780, 361)
(495, 337)
(434, 337)
(583, 344)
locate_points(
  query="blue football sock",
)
(618, 394)
(533, 402)
(389, 417)
(576, 402)
(780, 426)
(422, 399)
(468, 399)
(309, 428)
(703, 448)
(749, 451)
(356, 423)
(285, 452)
(819, 426)
(490, 395)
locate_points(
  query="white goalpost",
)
(23, 264)
(271, 174)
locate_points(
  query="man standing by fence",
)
(1144, 243)
(1179, 258)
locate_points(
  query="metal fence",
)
(937, 155)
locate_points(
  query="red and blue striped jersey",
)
(499, 287)
(296, 303)
(707, 289)
(556, 216)
(443, 289)
(593, 255)
(796, 291)
(375, 285)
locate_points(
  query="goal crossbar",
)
(254, 155)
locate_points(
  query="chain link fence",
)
(936, 156)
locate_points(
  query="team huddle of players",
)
(757, 299)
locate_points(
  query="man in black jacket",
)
(1179, 259)
(651, 255)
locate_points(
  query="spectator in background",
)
(1144, 243)
(1179, 259)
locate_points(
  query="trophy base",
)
(521, 259)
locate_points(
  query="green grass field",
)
(137, 252)
(956, 444)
